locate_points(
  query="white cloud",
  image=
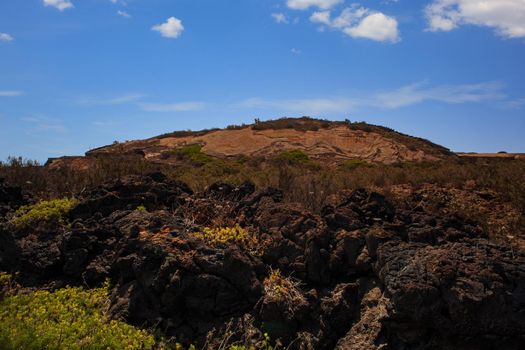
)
(392, 99)
(349, 17)
(518, 103)
(59, 4)
(10, 93)
(322, 17)
(453, 94)
(295, 51)
(377, 27)
(306, 4)
(172, 28)
(123, 14)
(359, 22)
(6, 37)
(118, 100)
(507, 17)
(280, 18)
(173, 107)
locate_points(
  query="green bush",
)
(193, 153)
(69, 318)
(293, 157)
(53, 211)
(225, 235)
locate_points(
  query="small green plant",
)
(53, 211)
(293, 157)
(69, 318)
(193, 153)
(225, 235)
(141, 208)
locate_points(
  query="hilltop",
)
(321, 140)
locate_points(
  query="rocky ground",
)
(364, 274)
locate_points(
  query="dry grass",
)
(282, 289)
(301, 183)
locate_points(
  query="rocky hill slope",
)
(230, 263)
(324, 141)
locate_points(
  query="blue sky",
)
(78, 74)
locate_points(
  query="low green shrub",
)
(193, 153)
(225, 235)
(69, 318)
(141, 208)
(52, 211)
(293, 157)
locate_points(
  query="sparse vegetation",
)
(299, 124)
(69, 318)
(352, 164)
(293, 157)
(51, 212)
(224, 235)
(278, 287)
(284, 292)
(193, 153)
(302, 183)
(141, 208)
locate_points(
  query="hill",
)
(320, 140)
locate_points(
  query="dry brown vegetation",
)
(302, 182)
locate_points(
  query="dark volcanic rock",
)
(456, 291)
(11, 198)
(153, 192)
(367, 275)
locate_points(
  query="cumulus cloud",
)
(280, 18)
(6, 37)
(59, 4)
(377, 27)
(173, 107)
(360, 22)
(507, 17)
(306, 4)
(172, 28)
(322, 17)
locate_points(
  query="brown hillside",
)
(318, 139)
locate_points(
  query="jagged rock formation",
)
(364, 274)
